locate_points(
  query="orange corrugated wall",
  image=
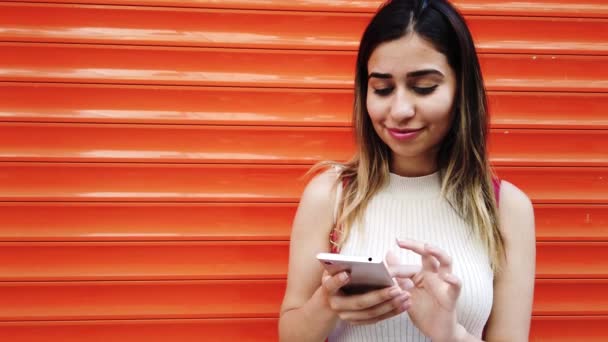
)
(150, 155)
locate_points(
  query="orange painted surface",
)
(143, 260)
(571, 297)
(559, 222)
(181, 27)
(560, 185)
(544, 328)
(221, 28)
(37, 301)
(301, 145)
(551, 110)
(71, 261)
(218, 299)
(557, 260)
(152, 154)
(177, 105)
(548, 147)
(539, 35)
(244, 183)
(558, 8)
(568, 328)
(151, 182)
(77, 221)
(174, 144)
(158, 330)
(261, 106)
(250, 67)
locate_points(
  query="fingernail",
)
(394, 292)
(343, 276)
(405, 306)
(404, 296)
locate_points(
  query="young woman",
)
(419, 192)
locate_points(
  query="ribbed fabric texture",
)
(412, 207)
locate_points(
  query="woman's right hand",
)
(366, 308)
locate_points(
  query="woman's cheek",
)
(438, 109)
(375, 109)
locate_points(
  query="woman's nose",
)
(402, 106)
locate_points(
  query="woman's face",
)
(410, 92)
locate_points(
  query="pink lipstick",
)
(404, 134)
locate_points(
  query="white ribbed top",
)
(412, 207)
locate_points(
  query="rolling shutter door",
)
(151, 154)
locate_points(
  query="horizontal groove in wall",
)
(215, 299)
(269, 68)
(44, 102)
(544, 328)
(78, 221)
(106, 261)
(274, 29)
(43, 142)
(566, 8)
(145, 221)
(143, 261)
(245, 183)
(156, 330)
(129, 195)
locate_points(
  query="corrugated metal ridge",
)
(200, 260)
(566, 8)
(275, 29)
(52, 102)
(554, 328)
(129, 199)
(133, 182)
(75, 63)
(151, 330)
(205, 144)
(95, 300)
(165, 221)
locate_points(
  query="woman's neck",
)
(413, 166)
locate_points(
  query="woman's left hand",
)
(434, 291)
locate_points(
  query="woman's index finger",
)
(413, 245)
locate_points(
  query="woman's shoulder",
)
(514, 197)
(516, 211)
(313, 221)
(323, 183)
(320, 193)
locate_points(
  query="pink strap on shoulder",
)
(333, 238)
(496, 183)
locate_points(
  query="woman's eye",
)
(383, 91)
(425, 90)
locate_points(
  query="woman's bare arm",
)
(305, 313)
(514, 286)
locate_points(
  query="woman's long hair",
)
(462, 159)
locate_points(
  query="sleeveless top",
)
(413, 208)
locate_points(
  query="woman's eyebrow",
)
(413, 74)
(380, 75)
(424, 72)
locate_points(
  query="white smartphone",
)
(366, 273)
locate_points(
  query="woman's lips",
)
(404, 134)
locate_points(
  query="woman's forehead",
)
(405, 55)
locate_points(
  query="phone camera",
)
(369, 259)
